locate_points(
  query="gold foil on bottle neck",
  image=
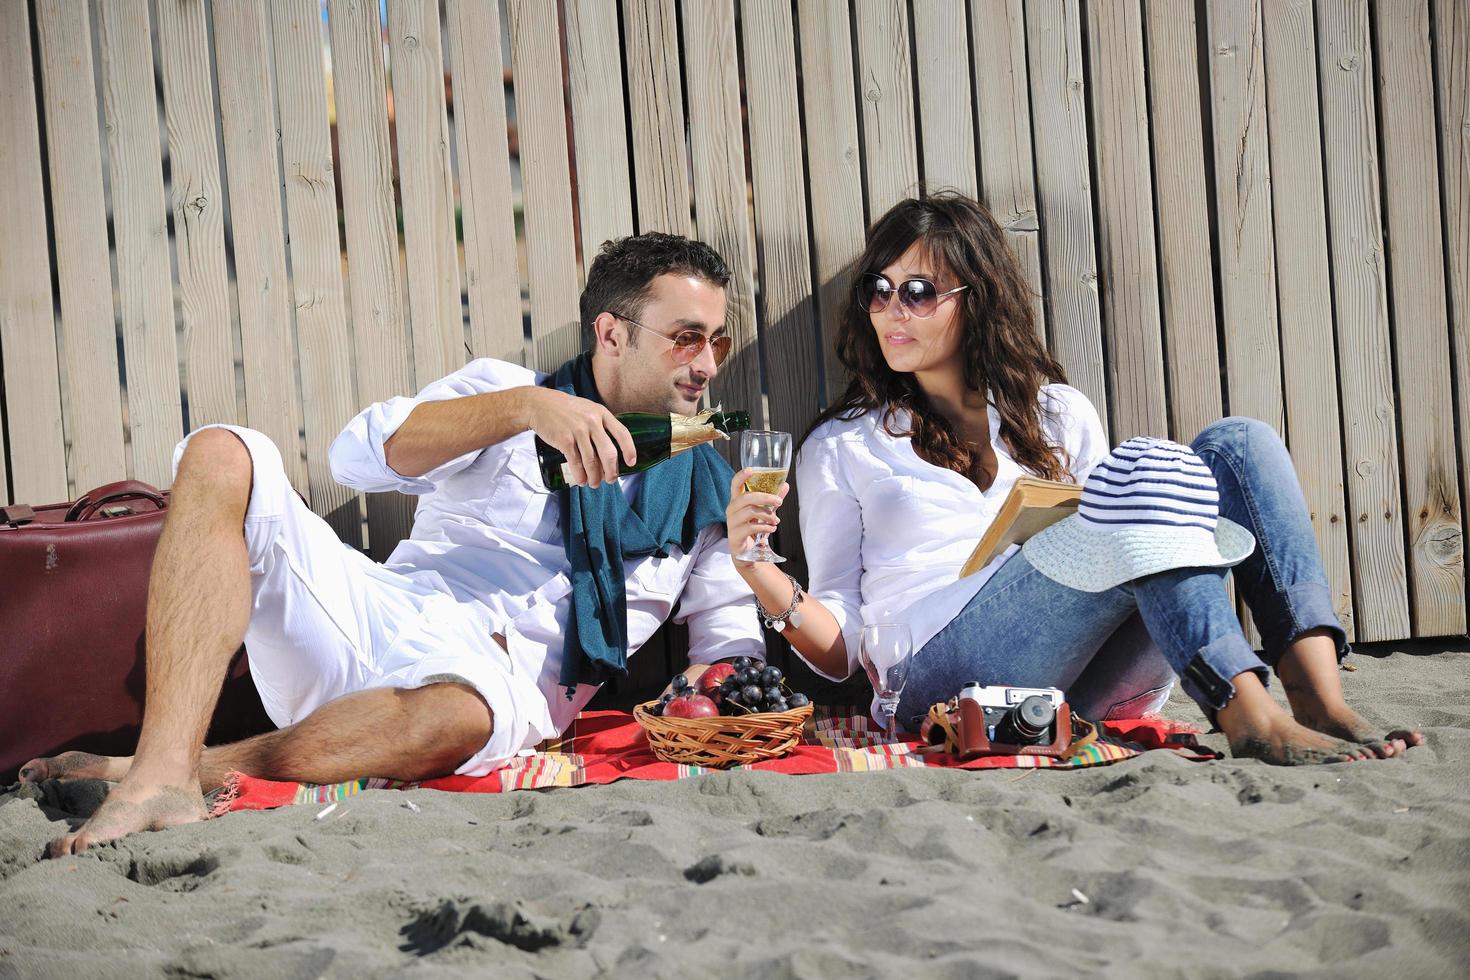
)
(688, 431)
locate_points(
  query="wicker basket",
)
(718, 743)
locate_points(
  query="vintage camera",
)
(1015, 715)
(1000, 720)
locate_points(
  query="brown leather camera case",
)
(969, 724)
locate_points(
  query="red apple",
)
(709, 682)
(691, 706)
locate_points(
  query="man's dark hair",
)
(622, 275)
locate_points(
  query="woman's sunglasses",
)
(689, 344)
(919, 296)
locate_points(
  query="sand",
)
(1153, 867)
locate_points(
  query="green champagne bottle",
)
(656, 438)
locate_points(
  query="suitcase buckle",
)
(17, 515)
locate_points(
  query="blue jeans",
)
(1115, 653)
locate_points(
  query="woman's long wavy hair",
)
(999, 344)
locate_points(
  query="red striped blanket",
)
(605, 746)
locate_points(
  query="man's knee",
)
(216, 462)
(449, 722)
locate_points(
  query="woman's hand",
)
(816, 637)
(749, 514)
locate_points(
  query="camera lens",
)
(1032, 717)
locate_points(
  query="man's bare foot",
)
(131, 808)
(1258, 728)
(76, 765)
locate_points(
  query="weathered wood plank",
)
(1187, 280)
(92, 402)
(272, 401)
(32, 403)
(328, 397)
(1451, 31)
(788, 320)
(374, 286)
(1064, 185)
(491, 268)
(1420, 318)
(946, 123)
(1304, 287)
(198, 206)
(834, 157)
(1130, 284)
(1345, 73)
(1003, 120)
(1242, 182)
(886, 84)
(660, 158)
(546, 181)
(1243, 226)
(140, 227)
(599, 124)
(1245, 247)
(425, 181)
(717, 153)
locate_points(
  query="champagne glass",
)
(885, 654)
(768, 456)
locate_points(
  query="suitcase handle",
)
(86, 508)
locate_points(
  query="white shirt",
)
(488, 531)
(887, 533)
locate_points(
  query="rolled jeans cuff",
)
(1299, 609)
(1207, 678)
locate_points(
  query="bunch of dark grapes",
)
(755, 687)
(742, 687)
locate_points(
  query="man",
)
(490, 627)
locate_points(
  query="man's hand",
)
(438, 431)
(585, 432)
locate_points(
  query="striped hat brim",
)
(1092, 558)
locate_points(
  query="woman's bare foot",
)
(1309, 672)
(1258, 728)
(1283, 742)
(134, 805)
(1341, 721)
(76, 765)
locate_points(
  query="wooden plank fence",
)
(276, 213)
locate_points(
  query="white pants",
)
(326, 620)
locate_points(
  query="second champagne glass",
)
(768, 456)
(885, 651)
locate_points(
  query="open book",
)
(1032, 504)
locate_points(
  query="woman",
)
(952, 398)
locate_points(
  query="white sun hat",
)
(1150, 506)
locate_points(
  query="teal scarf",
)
(677, 500)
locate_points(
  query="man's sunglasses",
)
(689, 344)
(919, 296)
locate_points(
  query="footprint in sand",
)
(455, 923)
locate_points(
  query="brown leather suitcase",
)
(73, 594)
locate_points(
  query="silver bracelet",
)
(778, 623)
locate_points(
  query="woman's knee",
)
(1240, 430)
(1248, 448)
